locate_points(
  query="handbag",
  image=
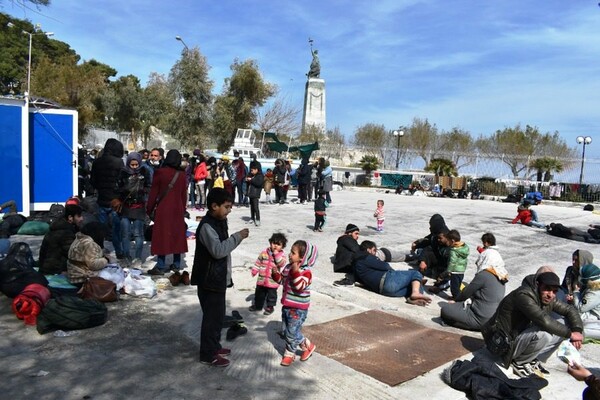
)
(152, 214)
(100, 289)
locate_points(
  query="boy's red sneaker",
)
(217, 361)
(308, 350)
(223, 351)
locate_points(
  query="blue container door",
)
(53, 157)
(14, 180)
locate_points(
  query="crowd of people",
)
(522, 327)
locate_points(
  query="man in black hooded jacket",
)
(105, 173)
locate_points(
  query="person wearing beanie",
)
(347, 248)
(296, 278)
(587, 300)
(523, 332)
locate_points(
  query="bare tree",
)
(280, 116)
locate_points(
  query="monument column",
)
(314, 95)
(314, 105)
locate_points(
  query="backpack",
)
(70, 313)
(17, 270)
(56, 211)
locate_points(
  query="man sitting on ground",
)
(379, 277)
(523, 332)
(347, 247)
(54, 251)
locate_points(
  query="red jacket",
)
(524, 216)
(200, 172)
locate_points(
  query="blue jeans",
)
(455, 282)
(138, 235)
(162, 260)
(106, 214)
(398, 283)
(293, 319)
(240, 190)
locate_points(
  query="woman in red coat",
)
(168, 234)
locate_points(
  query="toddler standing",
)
(296, 278)
(380, 215)
(458, 254)
(270, 260)
(320, 212)
(268, 185)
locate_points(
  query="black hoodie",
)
(105, 172)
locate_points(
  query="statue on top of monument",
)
(315, 65)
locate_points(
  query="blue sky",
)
(479, 65)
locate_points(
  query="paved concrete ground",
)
(149, 347)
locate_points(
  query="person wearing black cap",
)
(523, 332)
(347, 247)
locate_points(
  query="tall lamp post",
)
(37, 30)
(182, 42)
(585, 140)
(398, 133)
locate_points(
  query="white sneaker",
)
(257, 223)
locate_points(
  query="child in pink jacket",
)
(269, 261)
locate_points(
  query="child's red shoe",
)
(309, 348)
(288, 358)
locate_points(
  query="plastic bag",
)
(568, 353)
(113, 273)
(139, 285)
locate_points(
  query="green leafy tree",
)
(516, 147)
(442, 167)
(545, 166)
(14, 53)
(243, 93)
(458, 144)
(128, 91)
(71, 85)
(192, 89)
(368, 163)
(422, 137)
(157, 106)
(374, 138)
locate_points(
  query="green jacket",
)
(523, 307)
(457, 258)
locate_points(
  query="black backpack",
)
(17, 270)
(70, 313)
(56, 211)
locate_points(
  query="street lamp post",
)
(37, 30)
(398, 133)
(585, 141)
(182, 42)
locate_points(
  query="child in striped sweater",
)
(270, 260)
(296, 278)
